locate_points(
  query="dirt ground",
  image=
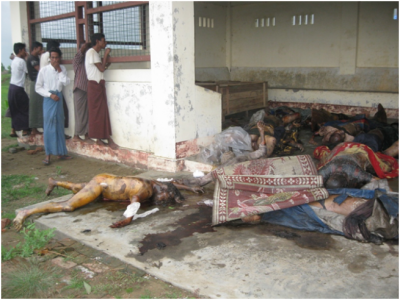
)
(109, 273)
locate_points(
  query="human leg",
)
(74, 187)
(88, 194)
(392, 150)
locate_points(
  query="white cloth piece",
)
(92, 72)
(149, 212)
(50, 80)
(132, 209)
(164, 179)
(197, 174)
(18, 71)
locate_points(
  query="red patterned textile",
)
(385, 166)
(263, 185)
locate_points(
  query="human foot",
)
(35, 131)
(254, 219)
(112, 144)
(19, 220)
(50, 187)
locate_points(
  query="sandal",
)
(64, 157)
(46, 162)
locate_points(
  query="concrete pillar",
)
(348, 38)
(19, 28)
(172, 69)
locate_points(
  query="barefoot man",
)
(116, 188)
(99, 117)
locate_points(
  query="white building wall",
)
(151, 110)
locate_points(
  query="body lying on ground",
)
(111, 187)
(352, 165)
(367, 215)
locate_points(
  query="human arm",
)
(102, 66)
(40, 87)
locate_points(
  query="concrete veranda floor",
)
(178, 245)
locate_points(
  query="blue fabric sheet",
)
(299, 217)
(53, 125)
(345, 192)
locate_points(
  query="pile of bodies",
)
(346, 193)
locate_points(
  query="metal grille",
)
(63, 31)
(97, 3)
(125, 29)
(46, 8)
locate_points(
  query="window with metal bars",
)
(124, 24)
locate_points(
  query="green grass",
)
(15, 187)
(117, 282)
(34, 239)
(5, 122)
(22, 190)
(5, 149)
(30, 281)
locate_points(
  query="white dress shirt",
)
(92, 72)
(50, 80)
(44, 59)
(18, 71)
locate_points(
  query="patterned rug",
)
(264, 185)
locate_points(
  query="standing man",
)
(80, 95)
(18, 100)
(49, 84)
(44, 61)
(99, 118)
(35, 100)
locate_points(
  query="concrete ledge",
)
(129, 157)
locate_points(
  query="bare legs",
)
(76, 138)
(111, 143)
(35, 131)
(74, 187)
(86, 195)
(392, 150)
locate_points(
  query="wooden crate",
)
(239, 96)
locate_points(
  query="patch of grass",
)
(118, 281)
(29, 281)
(173, 295)
(5, 122)
(15, 187)
(33, 239)
(75, 284)
(5, 149)
(7, 215)
(146, 295)
(58, 170)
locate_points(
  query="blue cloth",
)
(391, 204)
(299, 217)
(344, 193)
(371, 140)
(53, 126)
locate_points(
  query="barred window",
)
(124, 24)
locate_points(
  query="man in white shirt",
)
(99, 117)
(45, 61)
(49, 84)
(18, 100)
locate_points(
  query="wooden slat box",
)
(239, 96)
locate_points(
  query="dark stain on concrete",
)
(358, 264)
(199, 222)
(303, 239)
